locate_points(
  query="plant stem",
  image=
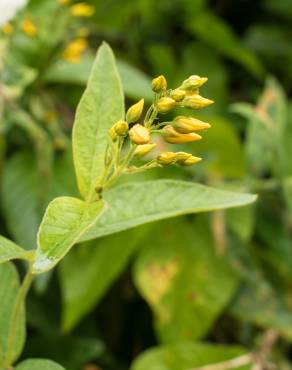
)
(14, 322)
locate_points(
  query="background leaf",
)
(37, 364)
(10, 250)
(186, 355)
(183, 280)
(9, 287)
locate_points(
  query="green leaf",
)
(101, 105)
(222, 150)
(20, 199)
(184, 281)
(9, 287)
(187, 355)
(10, 251)
(156, 200)
(39, 364)
(65, 221)
(81, 292)
(219, 35)
(266, 130)
(136, 84)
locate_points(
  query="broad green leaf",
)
(10, 251)
(183, 280)
(101, 105)
(39, 364)
(189, 355)
(136, 84)
(9, 287)
(65, 221)
(137, 203)
(104, 260)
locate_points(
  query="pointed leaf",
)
(65, 221)
(39, 364)
(100, 107)
(9, 287)
(137, 203)
(10, 251)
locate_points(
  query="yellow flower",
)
(29, 27)
(82, 10)
(7, 29)
(74, 50)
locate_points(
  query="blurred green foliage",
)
(198, 289)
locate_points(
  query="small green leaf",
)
(100, 107)
(39, 364)
(187, 355)
(183, 280)
(10, 251)
(9, 287)
(156, 200)
(65, 221)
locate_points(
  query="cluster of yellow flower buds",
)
(138, 129)
(187, 95)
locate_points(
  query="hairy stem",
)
(14, 322)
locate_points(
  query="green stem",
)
(20, 299)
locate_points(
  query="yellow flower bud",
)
(181, 157)
(113, 134)
(121, 128)
(7, 29)
(82, 10)
(193, 82)
(196, 102)
(173, 137)
(139, 134)
(178, 94)
(165, 104)
(135, 111)
(191, 161)
(166, 158)
(159, 83)
(185, 125)
(29, 27)
(144, 149)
